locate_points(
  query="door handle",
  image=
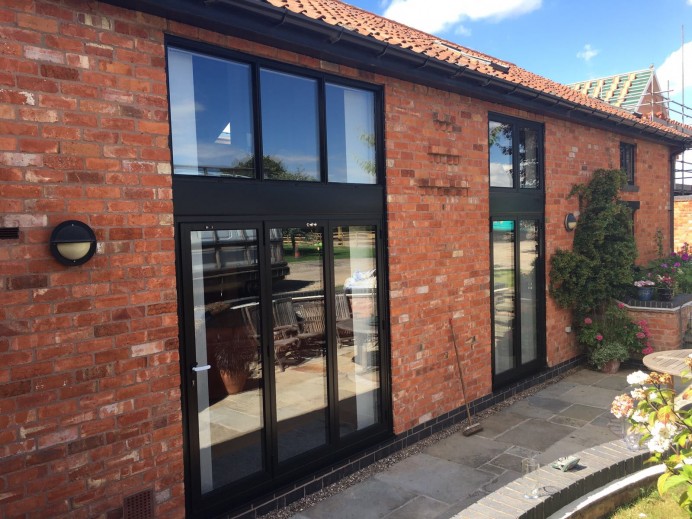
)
(197, 369)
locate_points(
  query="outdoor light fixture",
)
(72, 243)
(570, 222)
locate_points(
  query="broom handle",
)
(461, 375)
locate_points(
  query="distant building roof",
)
(623, 90)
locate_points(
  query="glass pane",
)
(528, 285)
(500, 144)
(211, 116)
(351, 135)
(290, 132)
(300, 343)
(358, 345)
(528, 159)
(503, 239)
(229, 394)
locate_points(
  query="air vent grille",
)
(139, 506)
(9, 233)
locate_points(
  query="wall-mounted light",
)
(72, 243)
(570, 222)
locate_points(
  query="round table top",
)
(671, 362)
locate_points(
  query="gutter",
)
(261, 22)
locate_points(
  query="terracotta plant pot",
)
(611, 367)
(234, 381)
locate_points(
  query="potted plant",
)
(645, 289)
(665, 287)
(233, 352)
(611, 337)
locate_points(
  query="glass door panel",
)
(300, 342)
(528, 286)
(228, 375)
(504, 294)
(358, 344)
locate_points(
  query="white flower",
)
(639, 416)
(638, 394)
(637, 378)
(658, 444)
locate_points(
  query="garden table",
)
(671, 362)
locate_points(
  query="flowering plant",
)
(665, 425)
(665, 281)
(644, 283)
(613, 336)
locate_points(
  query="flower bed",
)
(667, 321)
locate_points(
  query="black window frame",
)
(517, 124)
(628, 157)
(257, 64)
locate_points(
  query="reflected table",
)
(365, 334)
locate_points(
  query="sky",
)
(564, 40)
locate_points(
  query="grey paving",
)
(446, 477)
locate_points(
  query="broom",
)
(471, 428)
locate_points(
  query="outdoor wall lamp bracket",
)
(570, 222)
(72, 242)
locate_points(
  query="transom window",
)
(627, 160)
(515, 153)
(305, 129)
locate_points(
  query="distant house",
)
(290, 201)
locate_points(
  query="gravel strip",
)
(384, 464)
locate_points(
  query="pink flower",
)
(641, 335)
(587, 320)
(647, 350)
(621, 305)
(599, 337)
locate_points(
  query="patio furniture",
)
(285, 339)
(671, 362)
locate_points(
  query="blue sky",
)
(564, 40)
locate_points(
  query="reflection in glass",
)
(500, 144)
(528, 258)
(528, 159)
(350, 135)
(358, 345)
(211, 120)
(299, 339)
(229, 394)
(290, 136)
(503, 240)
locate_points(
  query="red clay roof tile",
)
(370, 25)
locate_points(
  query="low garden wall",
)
(668, 321)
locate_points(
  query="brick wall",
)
(667, 325)
(90, 403)
(89, 372)
(683, 221)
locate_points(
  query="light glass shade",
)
(74, 251)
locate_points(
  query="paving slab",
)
(595, 396)
(551, 404)
(536, 434)
(591, 435)
(508, 462)
(583, 412)
(526, 410)
(421, 507)
(472, 451)
(371, 499)
(433, 477)
(500, 423)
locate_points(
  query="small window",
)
(627, 161)
(515, 154)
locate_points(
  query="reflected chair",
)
(285, 339)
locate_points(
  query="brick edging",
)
(599, 466)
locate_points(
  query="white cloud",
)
(587, 53)
(435, 16)
(671, 69)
